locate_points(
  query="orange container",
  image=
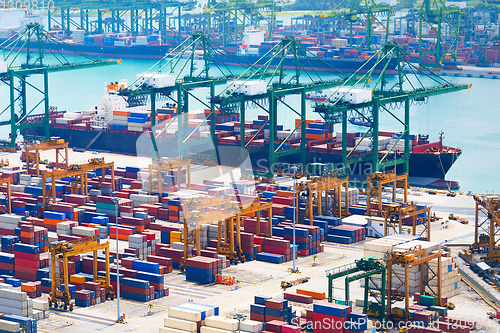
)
(314, 294)
(120, 236)
(29, 288)
(51, 221)
(27, 234)
(121, 113)
(75, 278)
(284, 194)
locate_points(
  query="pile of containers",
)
(266, 309)
(202, 269)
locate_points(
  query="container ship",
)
(114, 127)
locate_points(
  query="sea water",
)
(470, 119)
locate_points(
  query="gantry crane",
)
(203, 210)
(313, 191)
(166, 165)
(365, 268)
(30, 38)
(445, 22)
(7, 195)
(396, 213)
(230, 244)
(232, 17)
(60, 253)
(78, 174)
(487, 209)
(53, 143)
(408, 259)
(374, 187)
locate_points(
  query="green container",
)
(427, 300)
(105, 206)
(442, 310)
(412, 313)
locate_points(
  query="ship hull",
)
(159, 51)
(427, 165)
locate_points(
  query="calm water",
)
(469, 118)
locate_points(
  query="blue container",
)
(256, 308)
(331, 309)
(144, 266)
(199, 271)
(200, 278)
(275, 312)
(82, 303)
(298, 231)
(271, 258)
(23, 321)
(138, 115)
(46, 282)
(6, 258)
(249, 257)
(339, 239)
(136, 120)
(42, 274)
(136, 297)
(151, 277)
(25, 248)
(278, 231)
(54, 215)
(135, 283)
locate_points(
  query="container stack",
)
(15, 302)
(136, 289)
(202, 269)
(216, 324)
(7, 264)
(346, 234)
(22, 321)
(188, 317)
(27, 261)
(32, 289)
(248, 245)
(330, 317)
(267, 309)
(8, 243)
(51, 219)
(275, 251)
(450, 277)
(8, 223)
(139, 243)
(174, 254)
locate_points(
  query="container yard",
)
(262, 176)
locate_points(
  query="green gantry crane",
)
(136, 17)
(35, 42)
(365, 268)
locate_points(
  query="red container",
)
(160, 260)
(275, 325)
(133, 290)
(274, 304)
(85, 295)
(298, 298)
(257, 317)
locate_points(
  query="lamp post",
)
(294, 168)
(115, 201)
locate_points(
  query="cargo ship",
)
(112, 126)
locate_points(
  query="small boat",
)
(318, 96)
(359, 121)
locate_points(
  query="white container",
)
(251, 326)
(5, 286)
(3, 67)
(170, 330)
(184, 314)
(9, 326)
(40, 305)
(252, 88)
(206, 329)
(156, 80)
(13, 295)
(83, 231)
(184, 325)
(10, 218)
(14, 311)
(222, 323)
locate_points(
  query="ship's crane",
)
(78, 174)
(57, 144)
(16, 77)
(60, 253)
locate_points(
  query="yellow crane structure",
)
(167, 165)
(230, 244)
(203, 210)
(5, 189)
(78, 174)
(396, 213)
(374, 187)
(59, 257)
(487, 219)
(406, 260)
(54, 143)
(319, 188)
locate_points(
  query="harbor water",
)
(468, 118)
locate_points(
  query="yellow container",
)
(75, 278)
